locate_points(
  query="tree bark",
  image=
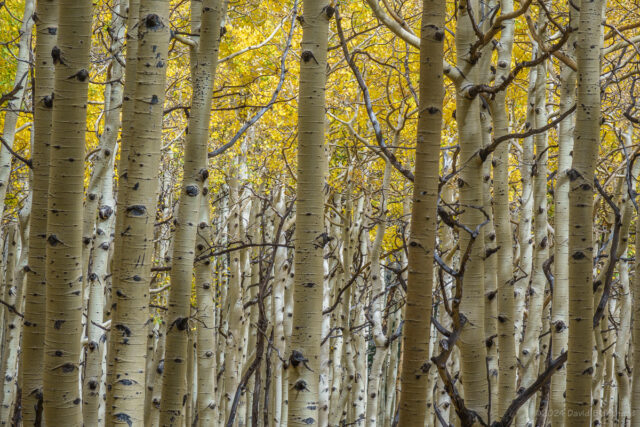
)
(417, 314)
(63, 327)
(502, 222)
(138, 198)
(15, 104)
(32, 355)
(581, 253)
(472, 338)
(560, 301)
(304, 356)
(195, 175)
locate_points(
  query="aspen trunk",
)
(32, 355)
(102, 158)
(635, 342)
(525, 226)
(98, 277)
(234, 318)
(502, 223)
(622, 378)
(207, 404)
(304, 356)
(530, 351)
(101, 190)
(472, 338)
(138, 198)
(13, 296)
(152, 412)
(417, 314)
(63, 327)
(195, 175)
(581, 175)
(560, 302)
(375, 316)
(490, 272)
(15, 104)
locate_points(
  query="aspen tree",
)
(128, 98)
(446, 246)
(98, 279)
(490, 266)
(253, 234)
(207, 405)
(525, 225)
(581, 175)
(13, 296)
(339, 217)
(137, 197)
(279, 342)
(530, 348)
(380, 339)
(101, 180)
(635, 339)
(472, 337)
(417, 314)
(506, 340)
(233, 305)
(358, 392)
(560, 302)
(195, 175)
(325, 359)
(621, 375)
(13, 355)
(154, 387)
(625, 300)
(101, 159)
(309, 235)
(618, 238)
(32, 355)
(63, 327)
(15, 102)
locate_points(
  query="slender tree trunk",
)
(195, 175)
(138, 198)
(12, 296)
(63, 327)
(502, 223)
(622, 377)
(102, 159)
(98, 246)
(281, 273)
(624, 302)
(417, 314)
(206, 345)
(15, 104)
(490, 272)
(152, 411)
(472, 338)
(32, 355)
(234, 311)
(128, 98)
(560, 302)
(581, 175)
(530, 352)
(304, 356)
(98, 277)
(525, 239)
(635, 341)
(375, 315)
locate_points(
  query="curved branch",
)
(274, 96)
(367, 100)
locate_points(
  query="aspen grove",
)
(320, 213)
